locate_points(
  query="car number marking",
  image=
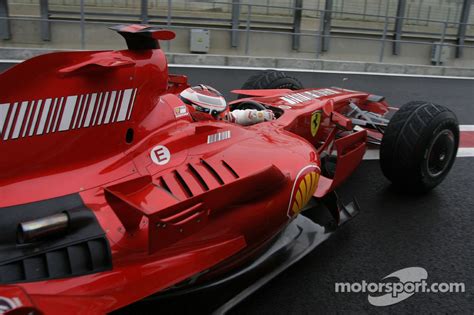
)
(160, 155)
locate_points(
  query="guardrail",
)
(242, 20)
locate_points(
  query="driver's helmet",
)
(204, 102)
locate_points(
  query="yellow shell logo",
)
(304, 192)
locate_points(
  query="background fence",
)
(309, 27)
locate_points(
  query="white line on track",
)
(466, 127)
(296, 70)
(465, 152)
(10, 61)
(373, 154)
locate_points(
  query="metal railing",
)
(248, 19)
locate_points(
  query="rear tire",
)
(271, 79)
(419, 146)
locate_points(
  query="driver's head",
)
(204, 102)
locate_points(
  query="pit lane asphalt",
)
(393, 231)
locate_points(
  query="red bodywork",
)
(212, 205)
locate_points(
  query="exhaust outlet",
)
(38, 229)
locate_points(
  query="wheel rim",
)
(440, 153)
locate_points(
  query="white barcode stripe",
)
(304, 97)
(124, 105)
(104, 106)
(56, 121)
(44, 116)
(310, 95)
(19, 120)
(30, 113)
(3, 115)
(135, 92)
(68, 112)
(97, 110)
(35, 117)
(51, 117)
(10, 121)
(292, 97)
(288, 100)
(82, 111)
(78, 112)
(118, 103)
(90, 110)
(110, 107)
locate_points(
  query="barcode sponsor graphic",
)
(218, 137)
(39, 117)
(297, 98)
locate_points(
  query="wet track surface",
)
(393, 231)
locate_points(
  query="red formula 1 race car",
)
(111, 193)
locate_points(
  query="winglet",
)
(140, 36)
(98, 62)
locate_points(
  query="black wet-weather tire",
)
(271, 79)
(419, 146)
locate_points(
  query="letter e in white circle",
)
(160, 155)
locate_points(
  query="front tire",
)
(419, 146)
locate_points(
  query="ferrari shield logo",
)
(315, 121)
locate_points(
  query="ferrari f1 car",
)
(111, 193)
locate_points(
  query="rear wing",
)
(143, 36)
